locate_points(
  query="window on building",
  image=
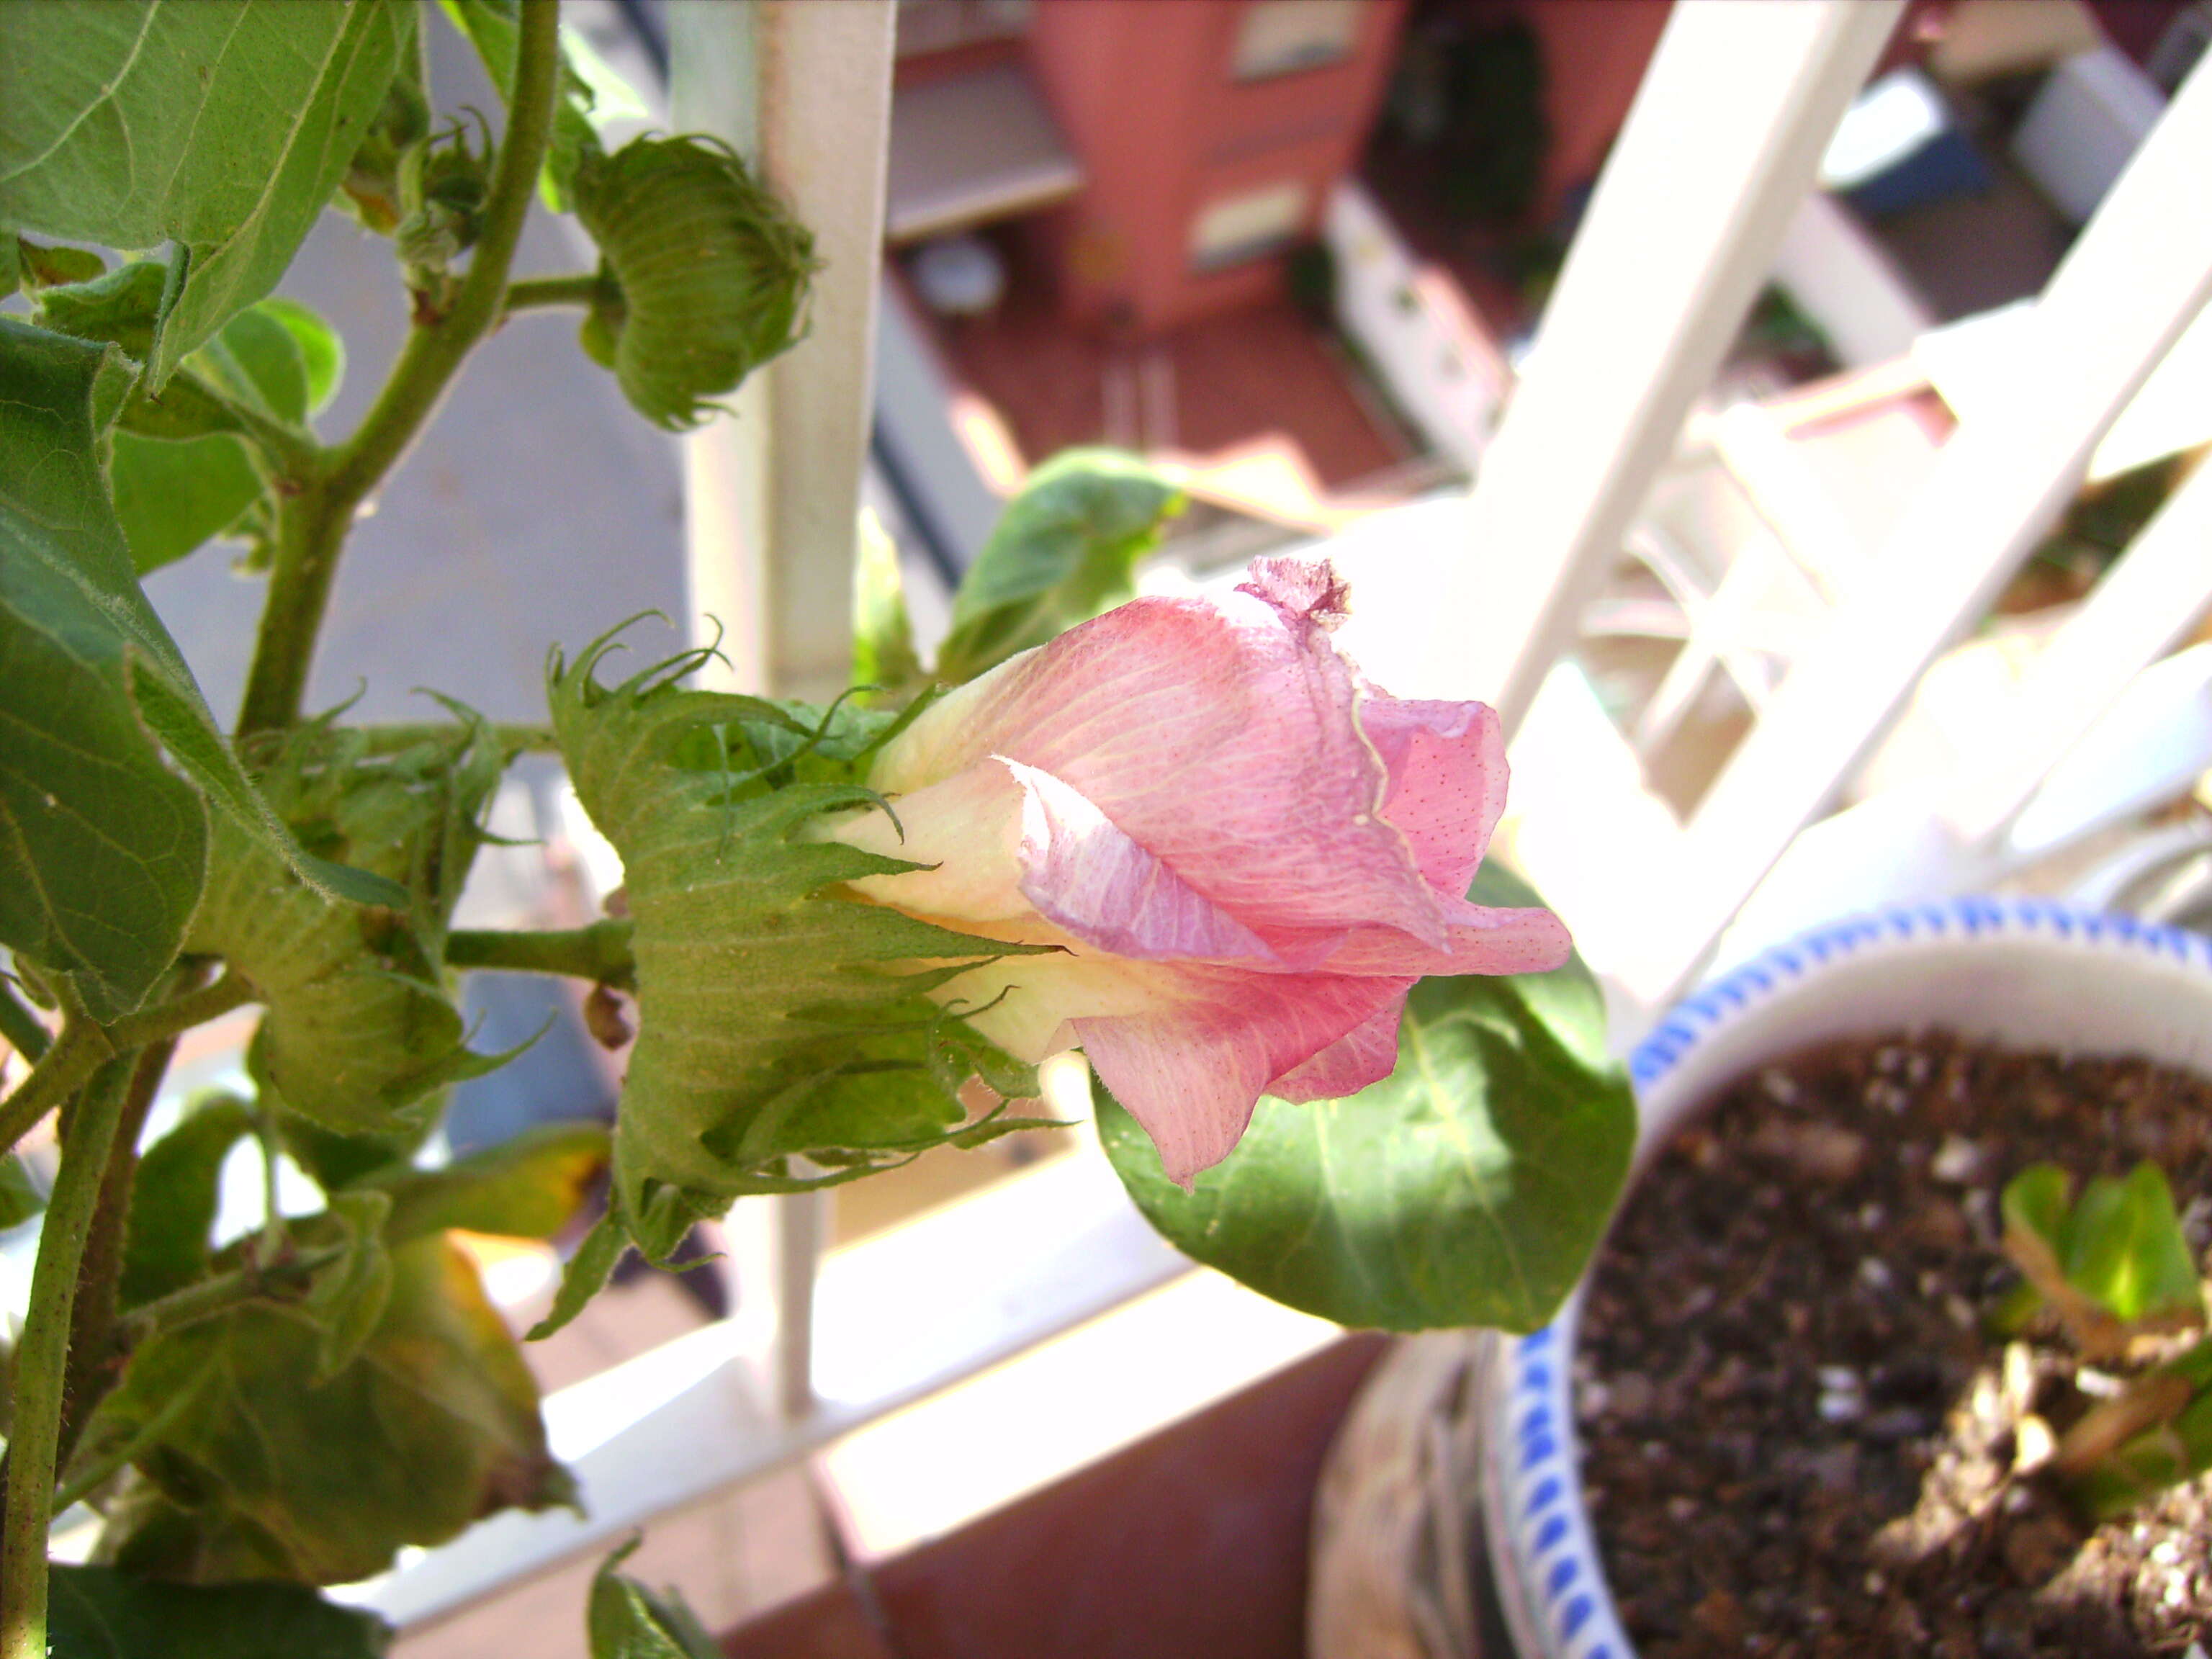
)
(1281, 37)
(1248, 225)
(927, 26)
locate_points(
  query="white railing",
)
(1716, 157)
(1430, 350)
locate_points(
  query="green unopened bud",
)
(444, 184)
(708, 274)
(370, 189)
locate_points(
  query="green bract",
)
(628, 1620)
(359, 1027)
(778, 1020)
(705, 274)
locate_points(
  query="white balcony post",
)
(802, 91)
(2144, 607)
(1719, 150)
(2132, 283)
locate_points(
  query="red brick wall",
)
(1146, 93)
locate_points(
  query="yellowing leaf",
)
(262, 1471)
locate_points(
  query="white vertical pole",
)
(2135, 278)
(1718, 151)
(713, 89)
(802, 90)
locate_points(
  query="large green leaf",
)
(102, 848)
(180, 472)
(360, 1028)
(1469, 1188)
(172, 496)
(174, 1198)
(1065, 550)
(257, 1469)
(79, 612)
(529, 1186)
(97, 1613)
(224, 125)
(775, 1018)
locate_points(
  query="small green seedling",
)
(2112, 1265)
(2116, 1270)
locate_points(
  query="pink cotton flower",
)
(1247, 853)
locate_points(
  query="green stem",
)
(599, 953)
(220, 1294)
(91, 1326)
(292, 454)
(74, 1056)
(41, 1362)
(536, 292)
(312, 530)
(180, 1013)
(84, 1042)
(22, 1029)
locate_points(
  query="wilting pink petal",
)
(1246, 853)
(1479, 940)
(1220, 737)
(1192, 1077)
(1366, 1054)
(1084, 873)
(1447, 766)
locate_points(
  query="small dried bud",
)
(606, 1019)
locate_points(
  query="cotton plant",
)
(1340, 1055)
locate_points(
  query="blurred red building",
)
(1157, 155)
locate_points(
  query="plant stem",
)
(73, 1057)
(84, 1042)
(42, 1360)
(180, 1013)
(91, 1326)
(220, 1294)
(536, 292)
(293, 455)
(313, 527)
(599, 953)
(22, 1029)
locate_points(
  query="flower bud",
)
(1245, 853)
(706, 275)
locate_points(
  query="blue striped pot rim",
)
(1534, 1451)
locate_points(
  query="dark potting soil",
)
(1798, 1440)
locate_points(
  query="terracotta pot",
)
(2024, 973)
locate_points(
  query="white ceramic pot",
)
(2025, 973)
